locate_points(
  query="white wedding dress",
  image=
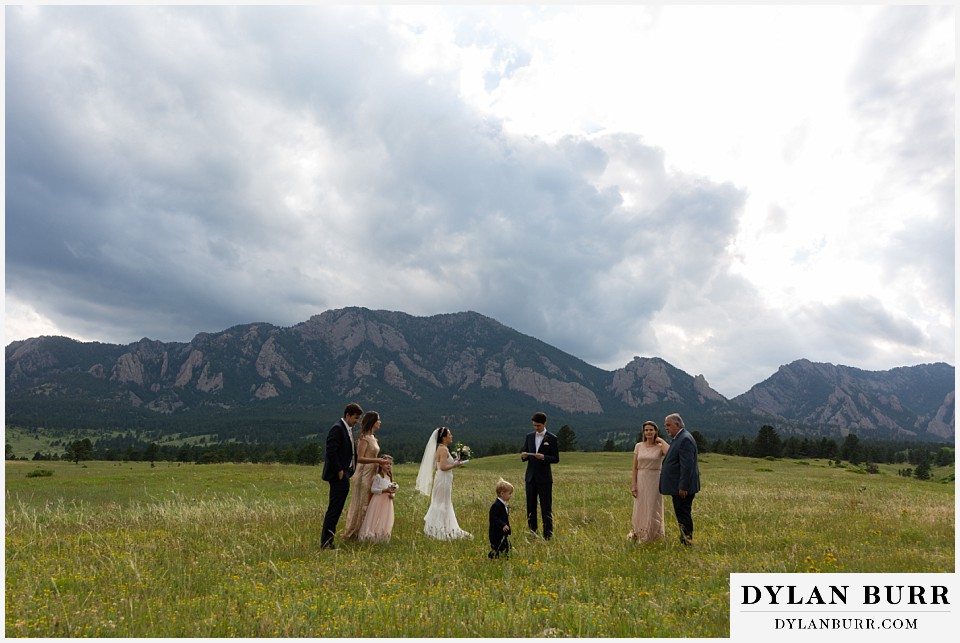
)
(440, 521)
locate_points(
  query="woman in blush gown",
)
(437, 468)
(367, 464)
(647, 520)
(378, 523)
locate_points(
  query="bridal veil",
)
(425, 476)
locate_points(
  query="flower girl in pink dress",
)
(378, 523)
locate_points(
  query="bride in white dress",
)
(440, 521)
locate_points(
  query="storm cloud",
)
(175, 170)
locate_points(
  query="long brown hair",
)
(380, 468)
(366, 423)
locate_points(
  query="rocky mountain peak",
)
(464, 362)
(906, 401)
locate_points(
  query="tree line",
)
(917, 457)
(768, 443)
(851, 449)
(133, 447)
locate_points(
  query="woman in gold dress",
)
(647, 521)
(367, 464)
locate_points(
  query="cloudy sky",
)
(730, 188)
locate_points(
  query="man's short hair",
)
(352, 409)
(539, 418)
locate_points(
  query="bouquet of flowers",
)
(461, 451)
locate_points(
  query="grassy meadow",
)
(110, 549)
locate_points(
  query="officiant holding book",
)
(540, 450)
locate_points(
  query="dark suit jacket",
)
(498, 518)
(539, 470)
(339, 453)
(679, 469)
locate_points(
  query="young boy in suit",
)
(500, 520)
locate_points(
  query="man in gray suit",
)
(680, 475)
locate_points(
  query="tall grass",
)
(129, 550)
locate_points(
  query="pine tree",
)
(768, 442)
(566, 439)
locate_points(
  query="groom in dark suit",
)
(680, 475)
(339, 462)
(540, 451)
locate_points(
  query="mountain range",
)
(461, 369)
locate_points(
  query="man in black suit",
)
(540, 451)
(680, 474)
(339, 462)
